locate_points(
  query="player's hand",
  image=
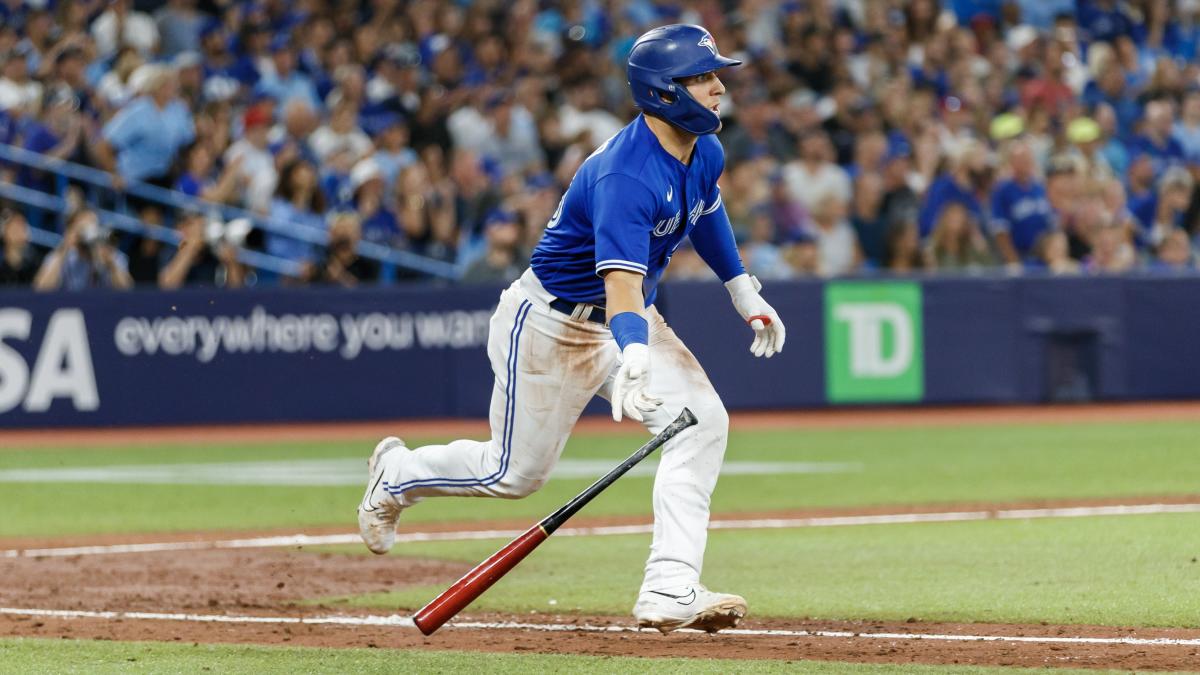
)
(769, 332)
(629, 395)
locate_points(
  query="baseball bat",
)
(473, 584)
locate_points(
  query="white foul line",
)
(407, 622)
(758, 524)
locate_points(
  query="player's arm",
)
(625, 303)
(623, 293)
(714, 242)
(622, 217)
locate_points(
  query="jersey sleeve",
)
(1000, 217)
(622, 219)
(712, 236)
(714, 241)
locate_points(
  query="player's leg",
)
(547, 367)
(683, 485)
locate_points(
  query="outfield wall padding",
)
(204, 356)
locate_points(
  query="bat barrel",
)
(464, 591)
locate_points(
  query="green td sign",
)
(874, 347)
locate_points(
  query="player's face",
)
(707, 89)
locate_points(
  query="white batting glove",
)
(769, 332)
(629, 395)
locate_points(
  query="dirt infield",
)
(651, 644)
(839, 418)
(279, 585)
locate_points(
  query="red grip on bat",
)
(464, 591)
(761, 317)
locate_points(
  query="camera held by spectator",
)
(207, 255)
(342, 265)
(84, 259)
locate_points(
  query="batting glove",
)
(629, 395)
(769, 332)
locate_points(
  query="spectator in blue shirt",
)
(1112, 149)
(300, 203)
(1187, 129)
(200, 178)
(392, 153)
(1139, 184)
(1108, 86)
(1102, 20)
(140, 142)
(1165, 210)
(288, 140)
(1174, 254)
(955, 186)
(85, 258)
(225, 75)
(1020, 210)
(1156, 140)
(287, 83)
(57, 137)
(379, 224)
(1041, 14)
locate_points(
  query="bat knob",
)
(687, 418)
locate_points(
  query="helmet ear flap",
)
(669, 94)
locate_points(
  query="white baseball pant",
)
(548, 366)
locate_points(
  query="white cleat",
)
(379, 511)
(691, 606)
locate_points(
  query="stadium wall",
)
(195, 356)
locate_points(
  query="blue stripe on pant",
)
(510, 393)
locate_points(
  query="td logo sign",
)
(874, 347)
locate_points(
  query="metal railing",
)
(96, 180)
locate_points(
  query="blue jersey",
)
(945, 191)
(1023, 211)
(628, 208)
(1162, 157)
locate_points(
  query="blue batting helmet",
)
(662, 56)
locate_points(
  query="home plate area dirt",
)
(260, 594)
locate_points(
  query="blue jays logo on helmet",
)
(663, 56)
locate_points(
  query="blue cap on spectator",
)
(498, 216)
(798, 235)
(280, 43)
(898, 148)
(211, 26)
(496, 98)
(493, 168)
(540, 181)
(260, 95)
(255, 8)
(380, 122)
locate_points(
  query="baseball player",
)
(581, 321)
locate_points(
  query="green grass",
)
(1120, 571)
(911, 465)
(61, 656)
(1132, 570)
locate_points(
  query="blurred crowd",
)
(861, 136)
